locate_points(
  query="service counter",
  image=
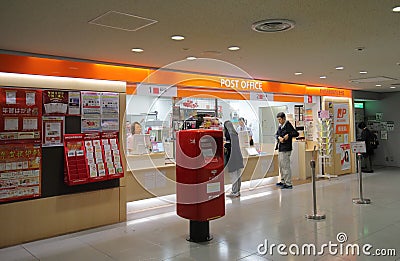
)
(147, 180)
(302, 154)
(151, 175)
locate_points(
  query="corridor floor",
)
(253, 227)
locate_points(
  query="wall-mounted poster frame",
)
(53, 131)
(20, 115)
(20, 171)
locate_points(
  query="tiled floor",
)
(260, 215)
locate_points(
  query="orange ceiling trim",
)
(288, 98)
(323, 91)
(206, 93)
(56, 67)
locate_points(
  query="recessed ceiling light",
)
(191, 58)
(339, 68)
(323, 77)
(298, 73)
(392, 87)
(378, 85)
(177, 37)
(396, 9)
(273, 25)
(233, 48)
(363, 72)
(137, 50)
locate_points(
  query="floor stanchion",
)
(361, 199)
(315, 215)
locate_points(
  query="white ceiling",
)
(326, 35)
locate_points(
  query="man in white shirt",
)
(242, 127)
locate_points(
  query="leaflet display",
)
(92, 157)
(75, 167)
(20, 171)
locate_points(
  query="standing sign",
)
(20, 114)
(358, 147)
(20, 171)
(341, 118)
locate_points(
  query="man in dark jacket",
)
(366, 136)
(284, 135)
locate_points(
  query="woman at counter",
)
(136, 128)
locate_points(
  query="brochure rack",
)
(325, 146)
(92, 157)
(75, 167)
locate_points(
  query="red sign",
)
(20, 114)
(342, 128)
(55, 102)
(20, 171)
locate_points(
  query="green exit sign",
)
(359, 105)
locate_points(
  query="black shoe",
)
(280, 184)
(287, 186)
(368, 171)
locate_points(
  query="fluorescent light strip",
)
(177, 37)
(233, 48)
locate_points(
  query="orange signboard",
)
(67, 68)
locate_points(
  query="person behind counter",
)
(136, 128)
(242, 127)
(233, 158)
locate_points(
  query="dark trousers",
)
(366, 162)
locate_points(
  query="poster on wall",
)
(341, 118)
(90, 125)
(74, 103)
(109, 111)
(100, 111)
(20, 171)
(55, 102)
(384, 135)
(345, 156)
(91, 104)
(20, 114)
(53, 131)
(390, 125)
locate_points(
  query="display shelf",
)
(325, 143)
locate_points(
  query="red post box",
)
(200, 179)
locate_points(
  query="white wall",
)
(388, 153)
(136, 104)
(249, 110)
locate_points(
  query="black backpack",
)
(373, 140)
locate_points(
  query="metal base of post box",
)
(199, 231)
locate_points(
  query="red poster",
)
(20, 171)
(20, 114)
(55, 102)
